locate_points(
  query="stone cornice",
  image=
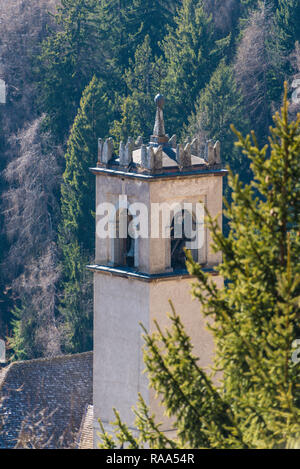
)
(142, 276)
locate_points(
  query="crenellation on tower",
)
(217, 152)
(138, 143)
(162, 155)
(125, 153)
(105, 151)
(173, 141)
(212, 153)
(184, 156)
(196, 147)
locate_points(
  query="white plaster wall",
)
(179, 291)
(120, 305)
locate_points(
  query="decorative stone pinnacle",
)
(159, 134)
(159, 100)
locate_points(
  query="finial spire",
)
(159, 134)
(159, 126)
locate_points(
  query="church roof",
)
(42, 401)
(168, 158)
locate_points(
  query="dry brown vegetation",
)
(30, 208)
(31, 179)
(257, 56)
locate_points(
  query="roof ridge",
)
(50, 359)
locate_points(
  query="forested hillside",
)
(77, 70)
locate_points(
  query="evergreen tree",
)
(24, 327)
(76, 232)
(35, 328)
(218, 105)
(287, 18)
(143, 82)
(126, 24)
(191, 56)
(152, 18)
(121, 37)
(256, 319)
(70, 56)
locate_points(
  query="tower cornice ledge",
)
(145, 277)
(165, 175)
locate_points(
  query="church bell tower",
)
(150, 201)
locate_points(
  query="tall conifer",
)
(77, 230)
(143, 81)
(191, 56)
(152, 18)
(70, 56)
(287, 17)
(220, 104)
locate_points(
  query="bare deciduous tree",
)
(31, 203)
(258, 64)
(225, 13)
(30, 209)
(23, 27)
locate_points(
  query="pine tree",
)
(152, 18)
(70, 56)
(124, 27)
(76, 232)
(142, 79)
(218, 105)
(256, 319)
(35, 328)
(287, 18)
(120, 34)
(191, 56)
(24, 327)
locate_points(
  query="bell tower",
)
(150, 205)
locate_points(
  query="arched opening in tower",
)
(182, 233)
(130, 244)
(125, 242)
